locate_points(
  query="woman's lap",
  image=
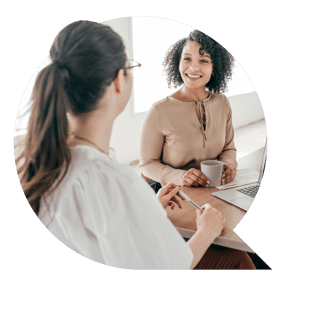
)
(155, 185)
(217, 257)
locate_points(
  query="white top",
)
(108, 213)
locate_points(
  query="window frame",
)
(133, 114)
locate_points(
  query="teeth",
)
(193, 76)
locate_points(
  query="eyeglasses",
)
(133, 64)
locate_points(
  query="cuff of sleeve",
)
(230, 160)
(174, 176)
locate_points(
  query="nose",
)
(194, 67)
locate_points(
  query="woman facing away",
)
(94, 205)
(194, 123)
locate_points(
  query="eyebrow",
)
(204, 55)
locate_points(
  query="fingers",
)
(204, 207)
(171, 193)
(175, 201)
(185, 183)
(226, 177)
(171, 204)
(192, 181)
(189, 179)
(167, 188)
(202, 178)
(180, 196)
(166, 193)
(229, 174)
(199, 213)
(194, 177)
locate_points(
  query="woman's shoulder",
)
(164, 105)
(161, 102)
(91, 172)
(220, 100)
(93, 179)
(219, 97)
(89, 162)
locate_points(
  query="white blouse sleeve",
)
(123, 223)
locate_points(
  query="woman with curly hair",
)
(194, 123)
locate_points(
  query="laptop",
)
(243, 196)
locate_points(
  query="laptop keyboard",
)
(250, 191)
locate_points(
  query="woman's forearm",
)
(162, 173)
(199, 243)
(229, 156)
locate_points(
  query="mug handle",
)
(225, 165)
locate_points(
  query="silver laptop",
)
(243, 196)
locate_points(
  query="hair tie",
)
(63, 70)
(59, 64)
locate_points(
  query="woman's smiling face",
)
(195, 69)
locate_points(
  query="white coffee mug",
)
(213, 170)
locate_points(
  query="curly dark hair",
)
(223, 62)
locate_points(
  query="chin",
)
(194, 85)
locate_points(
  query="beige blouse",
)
(173, 138)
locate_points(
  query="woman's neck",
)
(192, 94)
(96, 127)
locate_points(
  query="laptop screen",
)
(262, 168)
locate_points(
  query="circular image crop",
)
(140, 144)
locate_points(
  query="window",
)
(151, 39)
(240, 82)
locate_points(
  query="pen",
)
(189, 200)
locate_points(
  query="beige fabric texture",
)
(172, 140)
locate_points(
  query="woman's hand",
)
(194, 177)
(229, 174)
(210, 221)
(210, 224)
(167, 196)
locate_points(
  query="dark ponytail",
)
(86, 57)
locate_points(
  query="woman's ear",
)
(119, 82)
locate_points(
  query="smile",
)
(193, 76)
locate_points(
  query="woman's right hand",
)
(210, 221)
(167, 196)
(194, 177)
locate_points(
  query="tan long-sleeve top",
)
(173, 138)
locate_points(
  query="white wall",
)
(246, 109)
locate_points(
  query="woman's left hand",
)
(228, 174)
(167, 196)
